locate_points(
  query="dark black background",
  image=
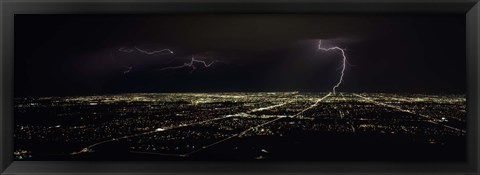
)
(70, 54)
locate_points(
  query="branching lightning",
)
(344, 62)
(129, 68)
(160, 52)
(194, 59)
(191, 64)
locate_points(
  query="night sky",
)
(57, 55)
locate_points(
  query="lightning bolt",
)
(160, 52)
(193, 59)
(344, 62)
(130, 50)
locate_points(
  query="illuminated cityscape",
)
(242, 126)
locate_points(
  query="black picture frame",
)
(8, 9)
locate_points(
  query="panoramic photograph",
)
(240, 87)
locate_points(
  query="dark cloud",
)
(78, 54)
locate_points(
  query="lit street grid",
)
(236, 126)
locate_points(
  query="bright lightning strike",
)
(344, 61)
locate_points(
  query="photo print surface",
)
(240, 87)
